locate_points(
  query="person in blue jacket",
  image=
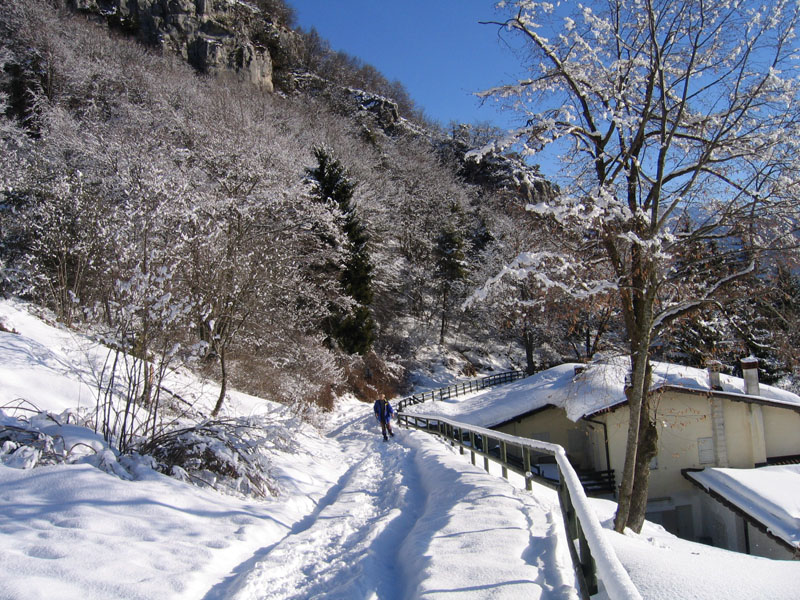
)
(383, 414)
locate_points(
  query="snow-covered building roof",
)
(589, 390)
(769, 496)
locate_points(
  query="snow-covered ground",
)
(354, 518)
(409, 519)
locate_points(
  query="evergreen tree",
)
(450, 269)
(353, 329)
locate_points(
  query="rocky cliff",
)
(218, 37)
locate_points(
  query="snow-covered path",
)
(347, 547)
(403, 521)
(355, 518)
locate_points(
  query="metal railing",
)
(592, 555)
(460, 389)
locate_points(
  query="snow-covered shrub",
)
(290, 371)
(6, 327)
(308, 412)
(40, 440)
(150, 319)
(230, 456)
(227, 455)
(25, 447)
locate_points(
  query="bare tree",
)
(667, 113)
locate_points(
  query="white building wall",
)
(763, 545)
(720, 526)
(686, 440)
(723, 528)
(782, 428)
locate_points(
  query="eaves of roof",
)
(523, 415)
(732, 396)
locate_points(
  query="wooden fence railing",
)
(460, 389)
(592, 555)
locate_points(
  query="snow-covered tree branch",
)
(674, 123)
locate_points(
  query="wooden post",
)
(504, 459)
(570, 524)
(526, 466)
(472, 444)
(588, 566)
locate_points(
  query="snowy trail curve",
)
(408, 519)
(347, 547)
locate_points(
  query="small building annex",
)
(704, 419)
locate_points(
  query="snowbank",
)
(356, 518)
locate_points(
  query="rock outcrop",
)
(497, 170)
(217, 37)
(492, 169)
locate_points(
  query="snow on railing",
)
(460, 389)
(594, 556)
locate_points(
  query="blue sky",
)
(436, 48)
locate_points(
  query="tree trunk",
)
(636, 393)
(444, 315)
(527, 340)
(527, 334)
(223, 385)
(638, 299)
(648, 448)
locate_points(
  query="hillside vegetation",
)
(180, 216)
(173, 199)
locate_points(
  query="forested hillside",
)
(184, 215)
(199, 184)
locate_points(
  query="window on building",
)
(705, 449)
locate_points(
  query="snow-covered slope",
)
(355, 517)
(76, 531)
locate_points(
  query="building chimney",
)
(714, 367)
(750, 374)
